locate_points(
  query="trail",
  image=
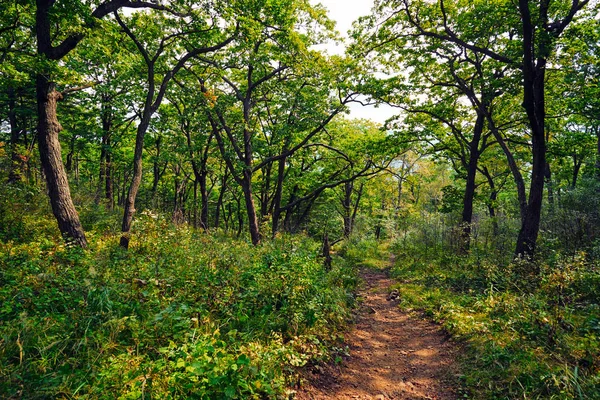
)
(393, 355)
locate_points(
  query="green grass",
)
(526, 336)
(180, 315)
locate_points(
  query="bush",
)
(179, 315)
(527, 336)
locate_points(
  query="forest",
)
(188, 205)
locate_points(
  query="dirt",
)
(392, 354)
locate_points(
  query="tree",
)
(179, 36)
(49, 21)
(524, 42)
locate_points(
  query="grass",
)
(179, 315)
(527, 336)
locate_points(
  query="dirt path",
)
(393, 355)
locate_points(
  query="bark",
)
(201, 175)
(534, 71)
(50, 155)
(48, 129)
(346, 208)
(250, 208)
(467, 213)
(136, 180)
(154, 97)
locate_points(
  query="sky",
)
(344, 12)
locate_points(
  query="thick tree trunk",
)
(534, 71)
(54, 171)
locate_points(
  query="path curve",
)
(392, 355)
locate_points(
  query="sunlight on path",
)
(392, 355)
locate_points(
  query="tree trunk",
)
(50, 156)
(346, 208)
(136, 181)
(220, 199)
(534, 71)
(467, 213)
(250, 208)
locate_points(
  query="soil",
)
(393, 354)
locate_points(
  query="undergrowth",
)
(527, 336)
(180, 315)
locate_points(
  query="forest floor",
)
(393, 354)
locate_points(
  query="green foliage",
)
(179, 315)
(525, 336)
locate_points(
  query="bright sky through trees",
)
(345, 12)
